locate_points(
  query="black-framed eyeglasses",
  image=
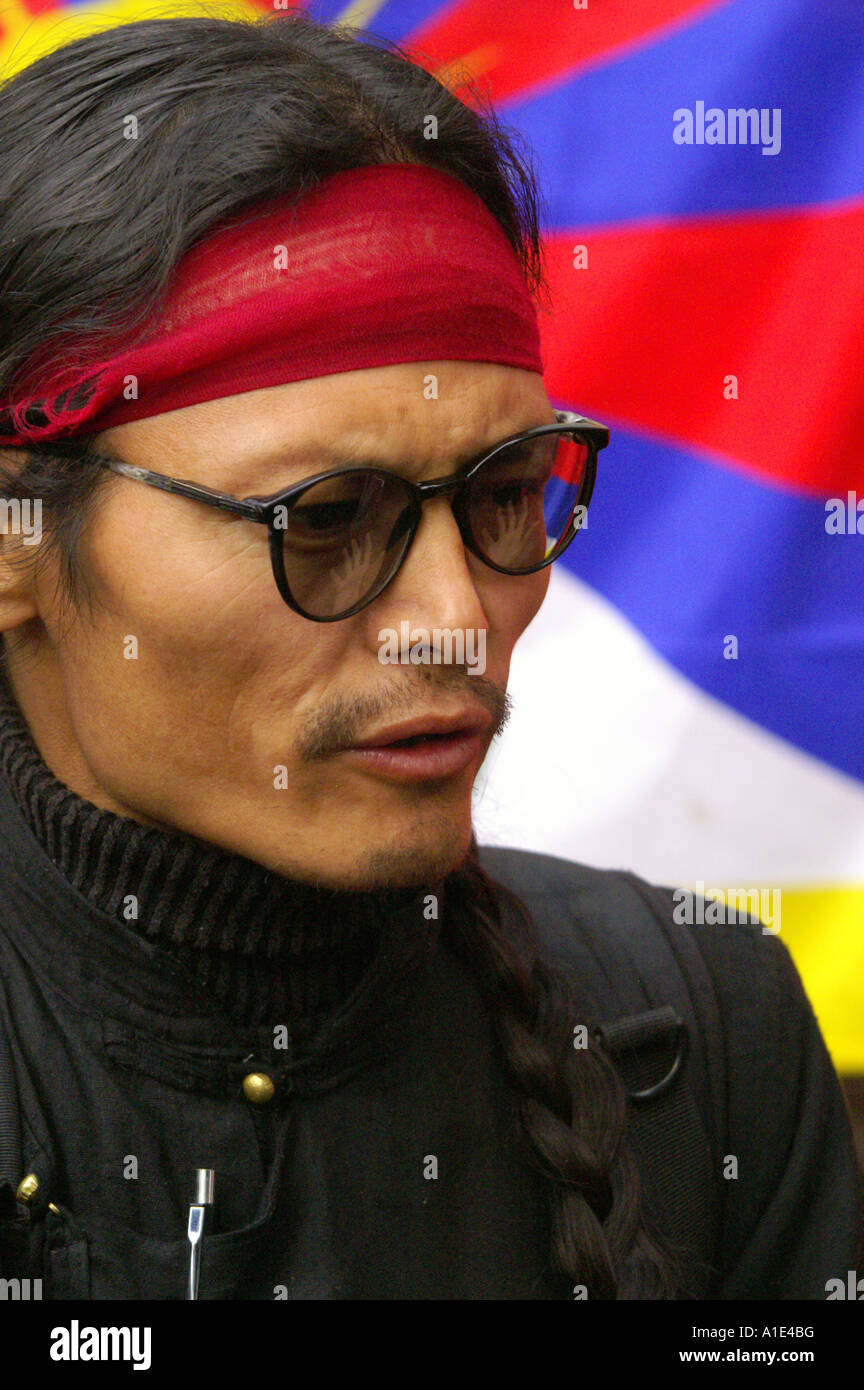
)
(337, 539)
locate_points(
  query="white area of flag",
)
(613, 758)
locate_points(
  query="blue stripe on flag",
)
(805, 59)
(692, 552)
(396, 19)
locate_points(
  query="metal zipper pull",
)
(200, 1219)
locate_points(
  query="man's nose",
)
(435, 586)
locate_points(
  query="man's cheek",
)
(146, 560)
(510, 610)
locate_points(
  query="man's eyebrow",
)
(310, 461)
(332, 456)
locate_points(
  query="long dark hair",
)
(92, 225)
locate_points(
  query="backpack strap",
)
(13, 1227)
(681, 954)
(643, 981)
(10, 1125)
(662, 1054)
(666, 1129)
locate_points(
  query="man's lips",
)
(474, 721)
(427, 748)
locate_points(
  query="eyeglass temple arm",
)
(253, 511)
(599, 432)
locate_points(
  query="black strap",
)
(642, 979)
(710, 1070)
(10, 1125)
(13, 1225)
(680, 1132)
(649, 1050)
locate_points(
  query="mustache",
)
(339, 722)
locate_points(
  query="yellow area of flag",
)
(470, 67)
(24, 37)
(823, 927)
(824, 930)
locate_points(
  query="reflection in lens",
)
(522, 502)
(343, 538)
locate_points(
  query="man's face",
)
(193, 698)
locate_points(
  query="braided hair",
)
(572, 1101)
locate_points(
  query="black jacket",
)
(390, 1164)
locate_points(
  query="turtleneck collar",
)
(268, 949)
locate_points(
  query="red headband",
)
(386, 263)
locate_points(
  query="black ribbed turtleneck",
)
(269, 949)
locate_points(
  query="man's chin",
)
(407, 866)
(410, 860)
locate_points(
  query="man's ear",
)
(20, 537)
(17, 597)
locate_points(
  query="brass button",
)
(27, 1188)
(258, 1087)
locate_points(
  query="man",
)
(271, 370)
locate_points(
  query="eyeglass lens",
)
(344, 538)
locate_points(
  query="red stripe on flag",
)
(537, 41)
(662, 315)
